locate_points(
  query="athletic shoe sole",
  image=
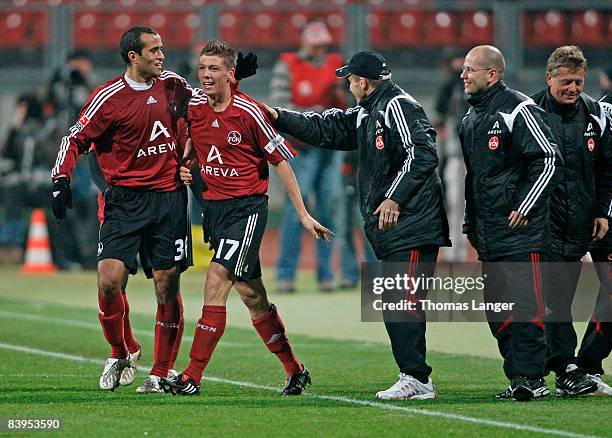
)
(414, 397)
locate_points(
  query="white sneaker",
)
(172, 374)
(109, 380)
(602, 387)
(408, 388)
(150, 385)
(128, 375)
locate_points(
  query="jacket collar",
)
(372, 99)
(481, 100)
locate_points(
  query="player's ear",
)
(232, 75)
(133, 56)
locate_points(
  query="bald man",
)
(511, 160)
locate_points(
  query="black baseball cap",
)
(366, 64)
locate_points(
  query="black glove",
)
(61, 197)
(246, 66)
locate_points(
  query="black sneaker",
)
(177, 386)
(574, 381)
(297, 382)
(538, 389)
(521, 388)
(505, 395)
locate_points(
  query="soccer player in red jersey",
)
(132, 120)
(234, 142)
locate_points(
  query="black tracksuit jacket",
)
(397, 156)
(511, 160)
(582, 132)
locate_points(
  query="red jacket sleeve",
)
(94, 119)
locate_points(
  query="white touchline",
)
(138, 332)
(94, 326)
(378, 405)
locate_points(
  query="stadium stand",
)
(23, 29)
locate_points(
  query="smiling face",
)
(475, 75)
(214, 75)
(566, 85)
(150, 63)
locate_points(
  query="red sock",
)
(110, 315)
(272, 331)
(208, 331)
(130, 341)
(166, 330)
(179, 335)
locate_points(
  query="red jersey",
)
(235, 146)
(135, 133)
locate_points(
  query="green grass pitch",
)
(53, 350)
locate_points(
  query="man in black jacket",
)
(579, 205)
(511, 159)
(400, 193)
(596, 343)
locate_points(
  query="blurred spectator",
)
(451, 106)
(605, 80)
(306, 81)
(349, 210)
(24, 175)
(68, 89)
(70, 86)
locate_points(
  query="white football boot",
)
(128, 375)
(150, 386)
(109, 380)
(408, 388)
(602, 387)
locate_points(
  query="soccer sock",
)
(272, 331)
(209, 329)
(166, 330)
(130, 341)
(179, 335)
(110, 314)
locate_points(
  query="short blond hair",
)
(570, 57)
(223, 50)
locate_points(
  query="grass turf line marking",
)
(141, 332)
(94, 326)
(366, 403)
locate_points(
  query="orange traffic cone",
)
(38, 250)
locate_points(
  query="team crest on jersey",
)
(380, 144)
(591, 145)
(234, 138)
(172, 106)
(493, 142)
(494, 129)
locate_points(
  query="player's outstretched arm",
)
(290, 184)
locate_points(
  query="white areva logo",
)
(214, 154)
(234, 138)
(100, 248)
(158, 129)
